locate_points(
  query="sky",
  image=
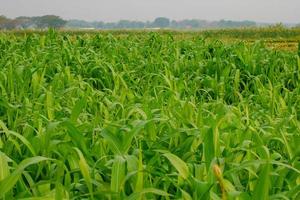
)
(271, 11)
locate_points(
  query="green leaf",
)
(179, 164)
(79, 106)
(19, 136)
(129, 137)
(8, 183)
(140, 175)
(114, 142)
(50, 105)
(84, 168)
(209, 150)
(261, 190)
(185, 195)
(76, 136)
(118, 174)
(140, 194)
(4, 169)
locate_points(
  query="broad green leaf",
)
(118, 174)
(76, 136)
(261, 190)
(185, 195)
(50, 105)
(209, 149)
(79, 106)
(84, 168)
(4, 169)
(129, 136)
(114, 142)
(19, 136)
(179, 164)
(8, 183)
(140, 175)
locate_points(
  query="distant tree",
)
(189, 23)
(79, 24)
(49, 21)
(161, 22)
(234, 24)
(124, 24)
(98, 25)
(3, 20)
(24, 22)
(111, 25)
(5, 23)
(138, 24)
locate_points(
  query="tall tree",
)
(161, 22)
(49, 21)
(4, 22)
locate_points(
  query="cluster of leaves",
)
(147, 117)
(42, 22)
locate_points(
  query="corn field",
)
(148, 116)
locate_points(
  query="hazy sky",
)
(114, 10)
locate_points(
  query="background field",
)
(279, 38)
(150, 115)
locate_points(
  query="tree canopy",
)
(46, 21)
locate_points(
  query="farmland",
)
(149, 115)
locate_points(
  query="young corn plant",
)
(147, 116)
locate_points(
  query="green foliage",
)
(46, 21)
(147, 116)
(49, 21)
(161, 22)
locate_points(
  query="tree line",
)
(160, 22)
(46, 21)
(52, 21)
